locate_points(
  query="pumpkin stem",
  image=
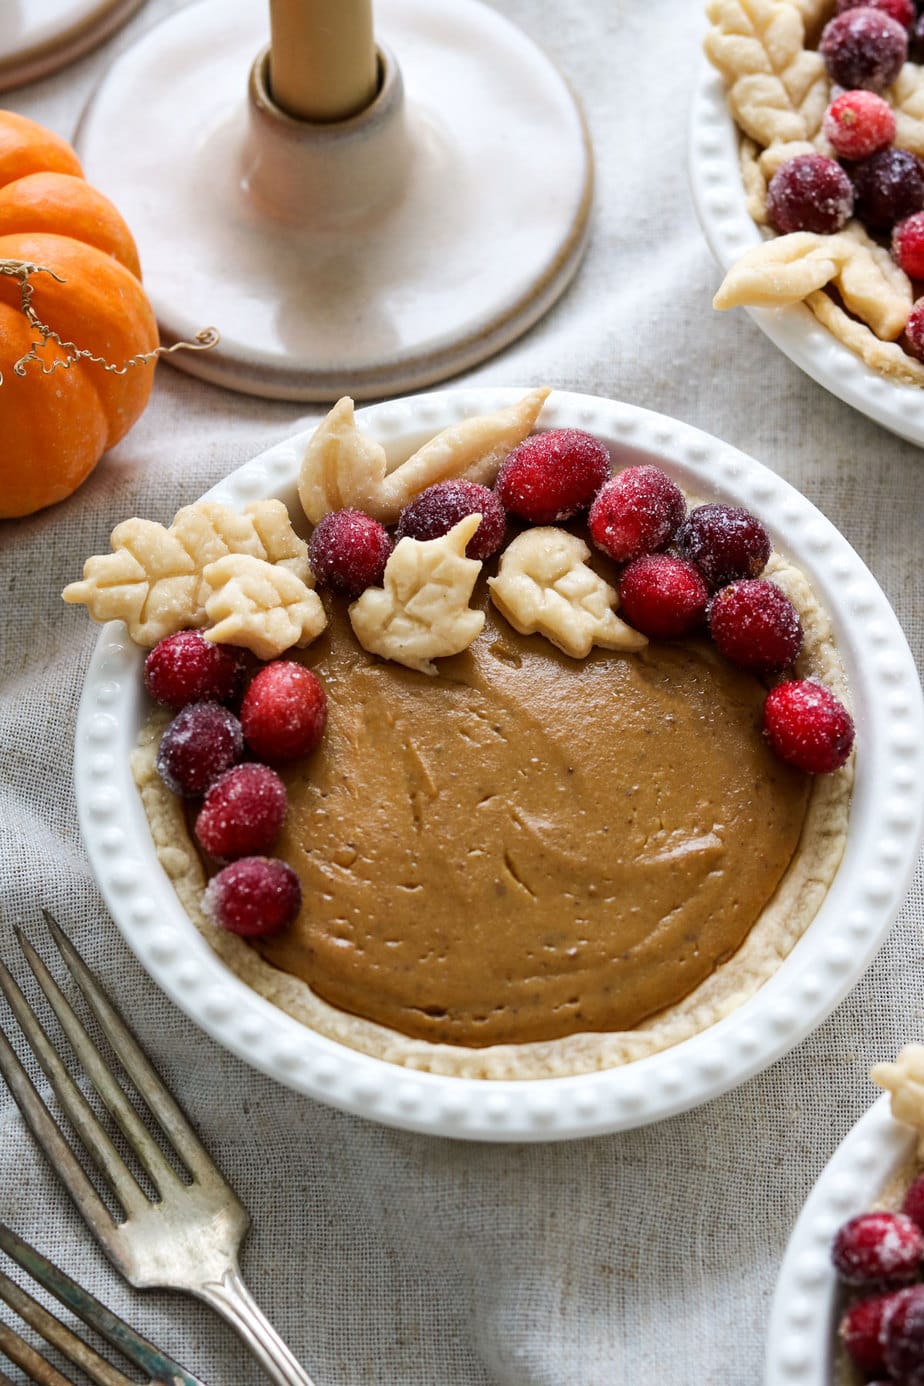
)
(23, 270)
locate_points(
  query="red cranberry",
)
(755, 626)
(201, 743)
(908, 245)
(914, 331)
(859, 123)
(553, 475)
(913, 1203)
(902, 11)
(284, 712)
(242, 812)
(253, 897)
(662, 596)
(808, 727)
(348, 551)
(186, 668)
(438, 509)
(864, 48)
(639, 511)
(903, 1336)
(878, 1248)
(725, 542)
(889, 186)
(809, 193)
(860, 1331)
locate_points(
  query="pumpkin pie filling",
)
(529, 846)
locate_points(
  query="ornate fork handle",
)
(231, 1298)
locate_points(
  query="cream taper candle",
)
(322, 57)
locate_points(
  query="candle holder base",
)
(370, 257)
(38, 39)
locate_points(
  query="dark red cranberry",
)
(348, 551)
(438, 509)
(809, 193)
(201, 743)
(864, 48)
(889, 186)
(726, 542)
(903, 1337)
(902, 11)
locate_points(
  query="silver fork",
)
(189, 1238)
(158, 1369)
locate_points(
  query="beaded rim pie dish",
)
(720, 201)
(801, 1335)
(884, 832)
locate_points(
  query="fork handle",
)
(231, 1298)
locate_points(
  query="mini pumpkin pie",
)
(543, 832)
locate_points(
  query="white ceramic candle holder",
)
(38, 37)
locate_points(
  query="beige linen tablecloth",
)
(388, 1259)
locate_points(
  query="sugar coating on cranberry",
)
(725, 542)
(638, 511)
(902, 11)
(808, 727)
(348, 551)
(553, 475)
(242, 813)
(756, 626)
(913, 1202)
(284, 712)
(201, 743)
(662, 596)
(809, 193)
(903, 1336)
(888, 187)
(908, 245)
(878, 1248)
(859, 123)
(860, 1330)
(438, 509)
(253, 897)
(914, 331)
(186, 668)
(864, 47)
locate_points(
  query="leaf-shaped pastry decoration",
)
(421, 612)
(906, 97)
(152, 579)
(263, 607)
(342, 468)
(789, 268)
(905, 1081)
(544, 585)
(777, 89)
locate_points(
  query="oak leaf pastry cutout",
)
(790, 268)
(777, 89)
(152, 579)
(421, 612)
(544, 585)
(264, 607)
(344, 469)
(905, 1081)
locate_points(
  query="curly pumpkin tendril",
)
(23, 271)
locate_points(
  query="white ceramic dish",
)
(801, 1341)
(885, 828)
(719, 199)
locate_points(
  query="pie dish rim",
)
(827, 960)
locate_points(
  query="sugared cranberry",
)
(859, 123)
(755, 626)
(809, 193)
(913, 1202)
(903, 1336)
(186, 668)
(860, 1331)
(253, 897)
(808, 727)
(284, 712)
(914, 331)
(553, 475)
(242, 813)
(908, 245)
(864, 48)
(639, 511)
(662, 596)
(902, 11)
(348, 551)
(916, 47)
(435, 511)
(878, 1248)
(725, 542)
(888, 187)
(201, 743)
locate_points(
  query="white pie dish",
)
(801, 1338)
(884, 832)
(719, 199)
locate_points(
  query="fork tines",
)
(155, 1366)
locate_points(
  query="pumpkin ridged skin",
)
(54, 428)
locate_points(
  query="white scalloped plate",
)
(801, 1339)
(719, 199)
(885, 826)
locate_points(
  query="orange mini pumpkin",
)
(55, 427)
